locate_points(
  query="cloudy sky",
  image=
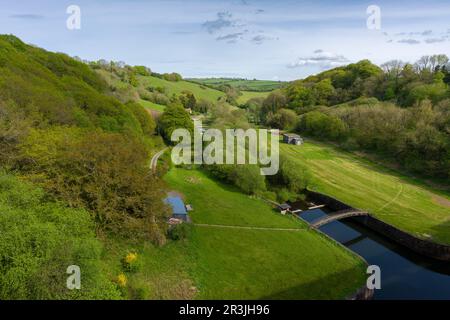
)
(283, 39)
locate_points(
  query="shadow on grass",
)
(336, 286)
(443, 230)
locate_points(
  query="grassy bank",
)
(395, 198)
(237, 263)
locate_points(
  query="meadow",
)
(177, 87)
(248, 259)
(241, 84)
(393, 197)
(247, 95)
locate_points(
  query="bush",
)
(131, 262)
(179, 232)
(174, 117)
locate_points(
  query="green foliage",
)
(172, 77)
(131, 262)
(147, 124)
(247, 178)
(142, 70)
(291, 179)
(39, 240)
(103, 172)
(321, 125)
(174, 117)
(284, 119)
(179, 232)
(188, 100)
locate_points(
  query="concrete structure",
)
(338, 216)
(292, 138)
(421, 246)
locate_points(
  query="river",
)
(404, 274)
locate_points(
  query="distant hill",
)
(240, 84)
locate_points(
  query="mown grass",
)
(393, 197)
(252, 264)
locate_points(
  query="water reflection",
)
(404, 274)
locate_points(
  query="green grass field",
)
(247, 95)
(242, 84)
(390, 196)
(236, 263)
(152, 106)
(178, 87)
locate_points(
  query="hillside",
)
(153, 91)
(395, 198)
(73, 164)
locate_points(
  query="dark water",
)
(404, 274)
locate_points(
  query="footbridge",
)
(338, 215)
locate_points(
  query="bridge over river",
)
(338, 215)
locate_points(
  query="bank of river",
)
(404, 274)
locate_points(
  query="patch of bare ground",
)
(442, 201)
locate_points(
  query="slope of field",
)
(247, 95)
(256, 262)
(388, 195)
(151, 105)
(241, 84)
(177, 87)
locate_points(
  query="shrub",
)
(122, 280)
(131, 263)
(179, 232)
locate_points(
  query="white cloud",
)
(321, 59)
(409, 41)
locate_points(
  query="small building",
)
(178, 208)
(284, 208)
(292, 138)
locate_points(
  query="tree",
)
(318, 124)
(175, 77)
(174, 117)
(103, 172)
(39, 239)
(188, 100)
(283, 119)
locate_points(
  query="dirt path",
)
(154, 161)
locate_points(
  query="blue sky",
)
(282, 40)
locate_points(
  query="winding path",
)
(154, 161)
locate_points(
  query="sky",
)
(272, 40)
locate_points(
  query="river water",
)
(404, 274)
